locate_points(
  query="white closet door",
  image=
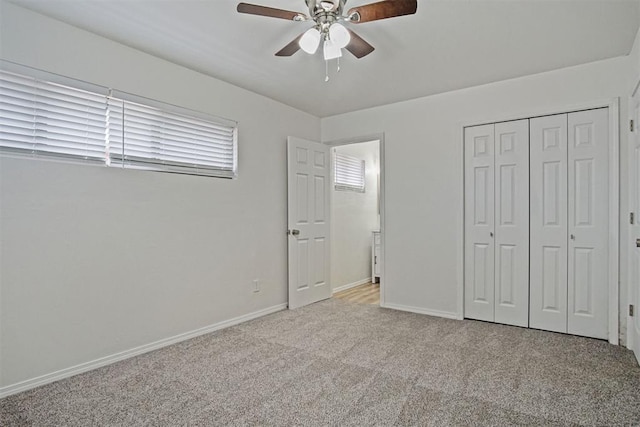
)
(479, 222)
(588, 223)
(548, 223)
(512, 222)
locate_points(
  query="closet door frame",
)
(614, 200)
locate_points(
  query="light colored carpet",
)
(338, 363)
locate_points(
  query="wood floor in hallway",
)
(369, 293)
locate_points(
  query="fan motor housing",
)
(318, 8)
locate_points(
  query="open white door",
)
(308, 221)
(633, 328)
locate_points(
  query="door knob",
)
(295, 232)
(573, 237)
(637, 243)
(491, 234)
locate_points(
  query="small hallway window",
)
(349, 173)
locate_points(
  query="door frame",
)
(632, 293)
(356, 140)
(613, 104)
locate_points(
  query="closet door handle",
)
(491, 233)
(573, 237)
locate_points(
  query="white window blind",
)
(349, 173)
(151, 136)
(47, 119)
(43, 114)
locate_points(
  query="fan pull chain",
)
(326, 71)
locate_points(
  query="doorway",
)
(356, 226)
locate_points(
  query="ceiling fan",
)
(327, 17)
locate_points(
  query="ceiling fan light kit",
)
(328, 19)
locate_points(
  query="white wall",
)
(634, 59)
(353, 217)
(97, 260)
(635, 55)
(423, 169)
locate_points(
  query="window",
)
(348, 173)
(45, 118)
(150, 135)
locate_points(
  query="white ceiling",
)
(447, 45)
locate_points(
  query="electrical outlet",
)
(256, 285)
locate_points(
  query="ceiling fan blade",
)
(382, 10)
(358, 46)
(254, 9)
(291, 48)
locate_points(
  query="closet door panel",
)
(479, 223)
(512, 222)
(588, 223)
(548, 223)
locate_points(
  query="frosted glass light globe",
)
(331, 50)
(339, 35)
(310, 41)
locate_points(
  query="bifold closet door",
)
(588, 223)
(548, 223)
(479, 222)
(497, 222)
(512, 223)
(569, 223)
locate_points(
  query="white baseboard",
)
(436, 313)
(351, 285)
(107, 360)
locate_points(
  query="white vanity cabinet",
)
(375, 257)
